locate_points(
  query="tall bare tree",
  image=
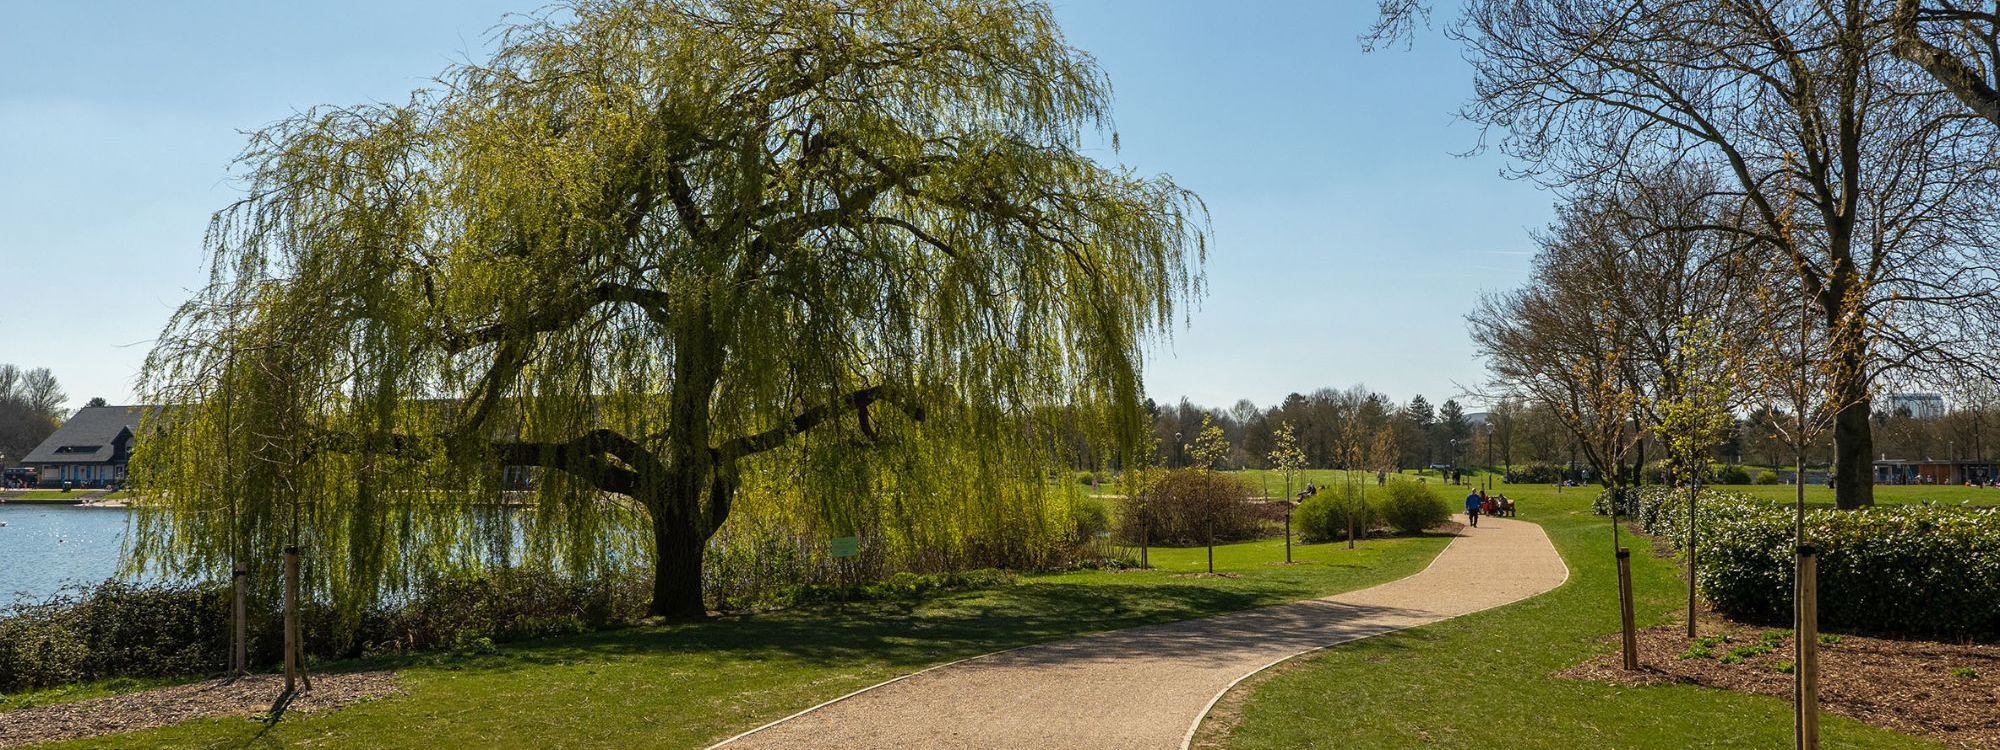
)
(1958, 43)
(1794, 104)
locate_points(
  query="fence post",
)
(1805, 647)
(1631, 633)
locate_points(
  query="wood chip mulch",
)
(1908, 686)
(130, 712)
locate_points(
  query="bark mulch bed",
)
(130, 712)
(1909, 686)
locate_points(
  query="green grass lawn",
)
(72, 496)
(1272, 483)
(688, 686)
(1485, 680)
(1885, 494)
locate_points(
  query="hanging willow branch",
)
(658, 250)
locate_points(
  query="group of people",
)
(1478, 503)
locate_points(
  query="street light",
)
(1452, 457)
(1489, 456)
(1180, 450)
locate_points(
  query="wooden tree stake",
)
(291, 619)
(1631, 633)
(239, 652)
(1805, 648)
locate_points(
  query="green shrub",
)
(1411, 508)
(1089, 517)
(1535, 473)
(1184, 506)
(1910, 570)
(1324, 517)
(117, 629)
(1732, 474)
(1767, 477)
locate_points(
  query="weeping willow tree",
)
(656, 250)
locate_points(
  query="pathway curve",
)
(1147, 688)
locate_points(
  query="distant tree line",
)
(1513, 432)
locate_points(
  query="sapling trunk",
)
(1693, 489)
(1629, 629)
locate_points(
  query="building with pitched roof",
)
(90, 450)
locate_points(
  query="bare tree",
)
(1879, 181)
(40, 391)
(1958, 45)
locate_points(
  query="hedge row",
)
(1908, 570)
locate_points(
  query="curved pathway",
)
(1148, 688)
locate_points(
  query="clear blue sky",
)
(1350, 239)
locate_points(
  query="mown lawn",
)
(42, 495)
(1885, 494)
(1485, 680)
(688, 686)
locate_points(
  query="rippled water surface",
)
(46, 547)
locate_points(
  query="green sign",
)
(846, 546)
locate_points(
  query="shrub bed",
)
(118, 629)
(1906, 570)
(1323, 517)
(1185, 505)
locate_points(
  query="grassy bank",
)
(1485, 680)
(687, 686)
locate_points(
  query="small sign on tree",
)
(845, 546)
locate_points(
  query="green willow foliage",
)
(841, 261)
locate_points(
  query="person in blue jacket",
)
(1472, 503)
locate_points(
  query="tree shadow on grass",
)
(898, 635)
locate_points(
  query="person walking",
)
(1472, 504)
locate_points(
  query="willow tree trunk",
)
(678, 550)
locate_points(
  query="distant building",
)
(1932, 471)
(90, 450)
(1919, 405)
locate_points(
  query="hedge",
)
(1906, 570)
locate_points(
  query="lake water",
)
(44, 548)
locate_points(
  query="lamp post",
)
(1489, 456)
(1451, 456)
(1180, 450)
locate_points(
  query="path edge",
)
(1187, 740)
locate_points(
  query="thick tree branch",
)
(771, 439)
(1962, 80)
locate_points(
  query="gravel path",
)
(1147, 688)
